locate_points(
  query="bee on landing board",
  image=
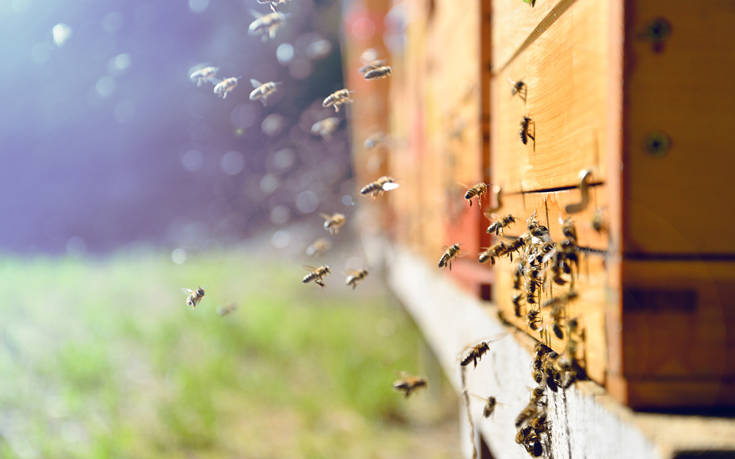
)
(408, 384)
(316, 274)
(318, 247)
(194, 296)
(226, 86)
(266, 25)
(262, 91)
(448, 256)
(337, 99)
(206, 74)
(525, 134)
(325, 127)
(332, 223)
(377, 187)
(477, 191)
(498, 226)
(354, 277)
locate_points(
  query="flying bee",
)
(262, 91)
(515, 245)
(354, 277)
(194, 296)
(325, 127)
(206, 74)
(407, 384)
(226, 86)
(318, 247)
(377, 187)
(332, 223)
(266, 25)
(489, 407)
(338, 98)
(477, 191)
(383, 71)
(498, 226)
(525, 135)
(371, 65)
(475, 353)
(534, 319)
(227, 309)
(374, 140)
(490, 253)
(316, 274)
(448, 256)
(273, 3)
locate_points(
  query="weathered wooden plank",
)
(678, 199)
(565, 72)
(516, 22)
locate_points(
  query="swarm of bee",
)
(532, 424)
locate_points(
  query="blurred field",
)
(101, 358)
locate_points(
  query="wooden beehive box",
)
(637, 92)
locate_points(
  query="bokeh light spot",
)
(281, 239)
(192, 160)
(198, 6)
(307, 202)
(105, 87)
(61, 33)
(284, 53)
(178, 256)
(232, 163)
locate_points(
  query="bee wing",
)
(309, 267)
(325, 216)
(255, 83)
(187, 291)
(256, 14)
(390, 186)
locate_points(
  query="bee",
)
(337, 99)
(515, 245)
(408, 384)
(491, 252)
(498, 226)
(476, 353)
(532, 286)
(598, 221)
(374, 140)
(517, 300)
(226, 86)
(356, 276)
(449, 254)
(325, 127)
(383, 71)
(568, 229)
(477, 191)
(318, 247)
(332, 223)
(206, 74)
(489, 407)
(534, 319)
(377, 187)
(316, 274)
(194, 296)
(518, 276)
(225, 310)
(273, 3)
(266, 25)
(262, 91)
(520, 88)
(371, 64)
(525, 135)
(537, 396)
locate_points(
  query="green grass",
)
(102, 358)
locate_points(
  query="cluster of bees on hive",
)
(540, 262)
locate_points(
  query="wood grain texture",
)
(686, 305)
(513, 22)
(550, 207)
(680, 201)
(565, 71)
(589, 308)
